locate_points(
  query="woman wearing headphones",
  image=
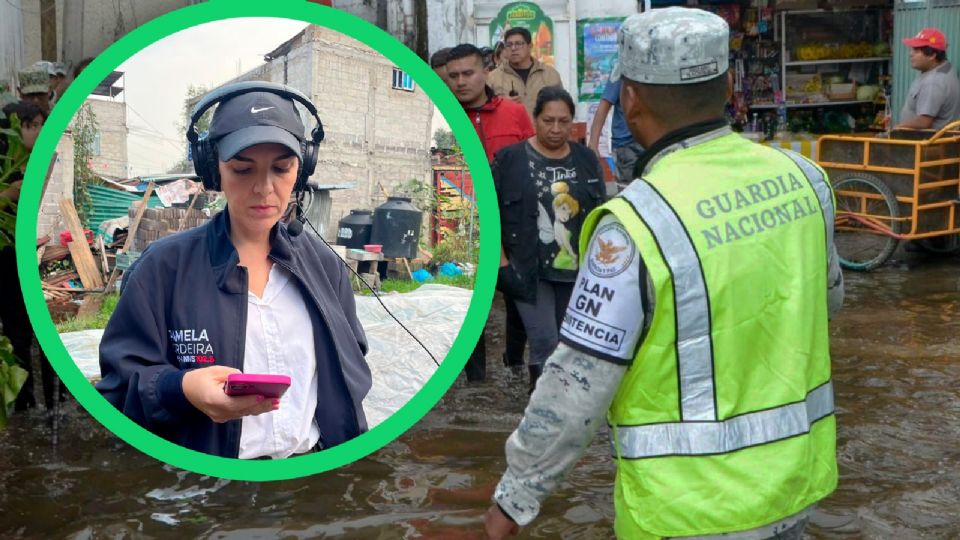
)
(242, 293)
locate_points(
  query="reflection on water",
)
(896, 357)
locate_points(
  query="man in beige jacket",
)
(522, 76)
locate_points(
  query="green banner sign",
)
(526, 15)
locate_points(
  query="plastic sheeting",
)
(433, 313)
(400, 367)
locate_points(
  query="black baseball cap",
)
(256, 118)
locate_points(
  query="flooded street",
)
(896, 352)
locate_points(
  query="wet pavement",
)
(896, 352)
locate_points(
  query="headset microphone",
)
(295, 227)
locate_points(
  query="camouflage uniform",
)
(570, 402)
(34, 81)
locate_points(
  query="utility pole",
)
(48, 30)
(422, 45)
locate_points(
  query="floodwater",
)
(896, 351)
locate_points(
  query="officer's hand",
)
(204, 390)
(498, 525)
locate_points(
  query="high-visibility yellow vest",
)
(724, 420)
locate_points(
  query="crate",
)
(842, 91)
(909, 191)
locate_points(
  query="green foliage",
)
(12, 378)
(421, 194)
(92, 321)
(444, 139)
(460, 244)
(84, 129)
(11, 162)
(407, 285)
(455, 245)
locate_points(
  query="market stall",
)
(802, 68)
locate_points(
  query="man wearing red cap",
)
(934, 97)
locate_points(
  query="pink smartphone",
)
(249, 384)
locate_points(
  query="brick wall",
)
(375, 135)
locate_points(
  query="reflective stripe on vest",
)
(694, 347)
(736, 433)
(699, 432)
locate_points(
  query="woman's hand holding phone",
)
(203, 388)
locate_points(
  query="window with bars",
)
(402, 81)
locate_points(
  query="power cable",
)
(302, 217)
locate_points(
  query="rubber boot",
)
(476, 368)
(535, 372)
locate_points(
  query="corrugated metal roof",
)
(111, 204)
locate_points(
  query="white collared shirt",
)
(279, 341)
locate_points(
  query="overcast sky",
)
(157, 78)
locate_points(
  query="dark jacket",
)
(518, 212)
(500, 122)
(183, 305)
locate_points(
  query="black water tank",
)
(354, 230)
(396, 226)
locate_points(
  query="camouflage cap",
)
(34, 81)
(673, 46)
(44, 65)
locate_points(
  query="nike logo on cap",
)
(254, 110)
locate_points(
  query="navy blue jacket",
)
(183, 305)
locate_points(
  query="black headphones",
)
(205, 155)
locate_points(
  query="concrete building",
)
(59, 187)
(110, 144)
(377, 120)
(78, 29)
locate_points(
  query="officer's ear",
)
(628, 97)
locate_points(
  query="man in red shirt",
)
(499, 123)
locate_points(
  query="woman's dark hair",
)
(930, 51)
(518, 31)
(24, 111)
(81, 65)
(439, 58)
(487, 53)
(553, 93)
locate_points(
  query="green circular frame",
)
(172, 453)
